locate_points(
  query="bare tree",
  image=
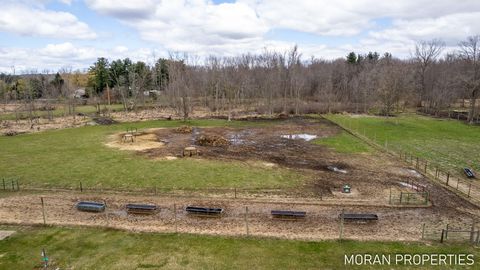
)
(470, 53)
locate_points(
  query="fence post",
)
(448, 178)
(235, 193)
(81, 186)
(13, 186)
(390, 198)
(446, 232)
(426, 164)
(436, 173)
(441, 238)
(175, 216)
(341, 224)
(469, 188)
(423, 231)
(4, 187)
(246, 220)
(416, 166)
(43, 211)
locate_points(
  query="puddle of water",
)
(414, 173)
(306, 137)
(236, 139)
(335, 169)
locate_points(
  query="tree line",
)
(274, 82)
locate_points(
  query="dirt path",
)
(321, 222)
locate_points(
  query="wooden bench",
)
(286, 214)
(128, 137)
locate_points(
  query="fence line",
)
(426, 167)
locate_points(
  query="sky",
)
(40, 35)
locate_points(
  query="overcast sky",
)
(51, 34)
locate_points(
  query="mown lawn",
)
(450, 144)
(63, 158)
(88, 248)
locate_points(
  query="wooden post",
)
(446, 232)
(426, 164)
(469, 188)
(423, 231)
(246, 220)
(4, 187)
(458, 180)
(436, 173)
(81, 186)
(416, 166)
(441, 238)
(448, 178)
(175, 217)
(472, 232)
(235, 193)
(390, 198)
(43, 211)
(341, 224)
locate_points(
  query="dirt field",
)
(322, 221)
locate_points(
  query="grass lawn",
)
(449, 143)
(345, 143)
(65, 157)
(60, 111)
(88, 248)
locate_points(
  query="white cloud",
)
(36, 21)
(56, 56)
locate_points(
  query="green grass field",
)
(345, 143)
(87, 248)
(62, 158)
(449, 143)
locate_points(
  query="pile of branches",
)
(183, 129)
(212, 140)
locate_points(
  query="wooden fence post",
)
(469, 188)
(448, 178)
(423, 231)
(416, 166)
(426, 164)
(81, 186)
(43, 211)
(341, 224)
(246, 220)
(4, 187)
(441, 238)
(436, 173)
(175, 217)
(235, 193)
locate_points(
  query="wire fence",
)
(441, 173)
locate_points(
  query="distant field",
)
(60, 111)
(65, 157)
(449, 143)
(85, 248)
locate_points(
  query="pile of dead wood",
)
(212, 140)
(183, 129)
